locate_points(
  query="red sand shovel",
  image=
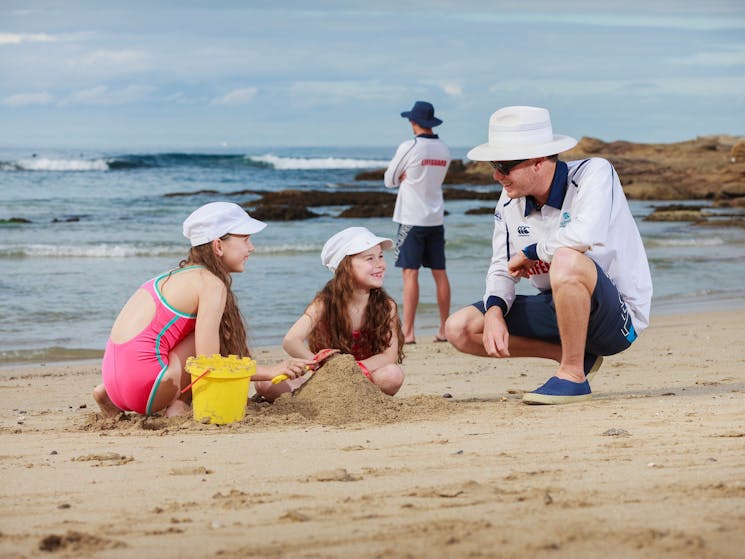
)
(318, 360)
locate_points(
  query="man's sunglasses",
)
(505, 167)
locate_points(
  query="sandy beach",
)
(653, 466)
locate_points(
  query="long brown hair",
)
(334, 328)
(232, 326)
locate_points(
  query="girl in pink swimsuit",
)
(352, 313)
(188, 311)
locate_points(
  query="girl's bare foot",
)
(108, 409)
(178, 408)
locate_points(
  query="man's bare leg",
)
(411, 301)
(573, 278)
(442, 287)
(465, 328)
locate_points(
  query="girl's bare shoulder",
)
(315, 309)
(210, 280)
(199, 278)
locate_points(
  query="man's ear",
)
(217, 247)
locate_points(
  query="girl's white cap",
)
(351, 240)
(217, 219)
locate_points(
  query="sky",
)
(219, 73)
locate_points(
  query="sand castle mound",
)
(337, 394)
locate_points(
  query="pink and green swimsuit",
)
(133, 370)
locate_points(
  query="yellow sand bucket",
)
(219, 387)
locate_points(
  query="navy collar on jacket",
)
(556, 193)
(432, 136)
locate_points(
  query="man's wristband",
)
(493, 301)
(531, 252)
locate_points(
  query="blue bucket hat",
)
(423, 114)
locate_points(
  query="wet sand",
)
(652, 467)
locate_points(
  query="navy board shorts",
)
(609, 331)
(418, 246)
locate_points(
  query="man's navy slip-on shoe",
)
(559, 391)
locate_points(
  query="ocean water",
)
(100, 225)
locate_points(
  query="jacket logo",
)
(523, 230)
(497, 216)
(565, 218)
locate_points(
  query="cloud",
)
(102, 95)
(705, 87)
(27, 100)
(571, 86)
(236, 97)
(18, 38)
(452, 89)
(113, 61)
(449, 88)
(335, 91)
(611, 19)
(180, 98)
(725, 58)
(711, 86)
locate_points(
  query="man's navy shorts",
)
(610, 329)
(418, 246)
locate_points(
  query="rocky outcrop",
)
(710, 168)
(698, 215)
(707, 168)
(287, 205)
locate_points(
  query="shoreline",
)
(476, 474)
(700, 305)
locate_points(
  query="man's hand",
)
(519, 265)
(496, 337)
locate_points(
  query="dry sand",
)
(653, 466)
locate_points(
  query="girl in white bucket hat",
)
(351, 314)
(187, 311)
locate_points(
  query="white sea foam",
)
(132, 251)
(45, 164)
(297, 163)
(685, 242)
(288, 249)
(88, 251)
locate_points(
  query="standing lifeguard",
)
(418, 170)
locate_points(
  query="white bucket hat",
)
(520, 133)
(351, 240)
(216, 219)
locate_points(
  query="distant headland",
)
(710, 169)
(707, 168)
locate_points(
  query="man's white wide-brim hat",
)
(520, 133)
